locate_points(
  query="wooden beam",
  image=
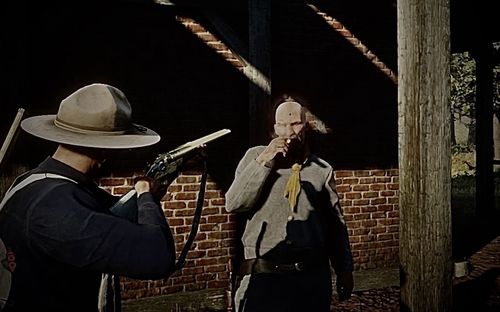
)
(424, 155)
(228, 34)
(484, 54)
(259, 25)
(200, 4)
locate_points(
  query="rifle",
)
(164, 167)
(11, 134)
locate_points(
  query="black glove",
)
(345, 284)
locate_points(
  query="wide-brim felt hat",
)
(96, 116)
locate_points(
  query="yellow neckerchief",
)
(292, 188)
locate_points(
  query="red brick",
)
(378, 215)
(174, 205)
(194, 254)
(207, 245)
(393, 214)
(367, 238)
(378, 230)
(211, 211)
(350, 181)
(377, 187)
(351, 210)
(206, 261)
(182, 229)
(348, 217)
(217, 219)
(360, 202)
(368, 209)
(379, 173)
(209, 227)
(393, 228)
(368, 223)
(184, 212)
(186, 179)
(393, 172)
(361, 231)
(354, 239)
(370, 194)
(185, 196)
(382, 237)
(193, 203)
(361, 173)
(378, 201)
(217, 252)
(191, 187)
(382, 180)
(112, 181)
(174, 188)
(393, 200)
(175, 221)
(345, 203)
(218, 201)
(216, 268)
(387, 193)
(218, 235)
(385, 207)
(353, 195)
(393, 186)
(361, 187)
(343, 173)
(120, 190)
(343, 188)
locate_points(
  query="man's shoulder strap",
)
(30, 179)
(5, 271)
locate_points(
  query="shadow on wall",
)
(176, 84)
(314, 63)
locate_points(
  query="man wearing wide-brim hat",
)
(55, 220)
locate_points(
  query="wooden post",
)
(424, 155)
(259, 56)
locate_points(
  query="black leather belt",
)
(258, 265)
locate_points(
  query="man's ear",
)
(274, 135)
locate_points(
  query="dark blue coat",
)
(64, 237)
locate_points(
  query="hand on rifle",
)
(144, 184)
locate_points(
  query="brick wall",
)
(370, 203)
(369, 199)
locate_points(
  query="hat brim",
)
(44, 127)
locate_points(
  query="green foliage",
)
(463, 164)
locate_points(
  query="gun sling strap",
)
(109, 292)
(196, 220)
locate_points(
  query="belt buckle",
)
(299, 266)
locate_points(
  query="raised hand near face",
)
(276, 146)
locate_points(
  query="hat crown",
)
(95, 108)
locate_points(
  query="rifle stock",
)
(126, 206)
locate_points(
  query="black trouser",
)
(305, 291)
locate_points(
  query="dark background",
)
(182, 89)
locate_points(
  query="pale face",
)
(290, 121)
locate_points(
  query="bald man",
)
(294, 230)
